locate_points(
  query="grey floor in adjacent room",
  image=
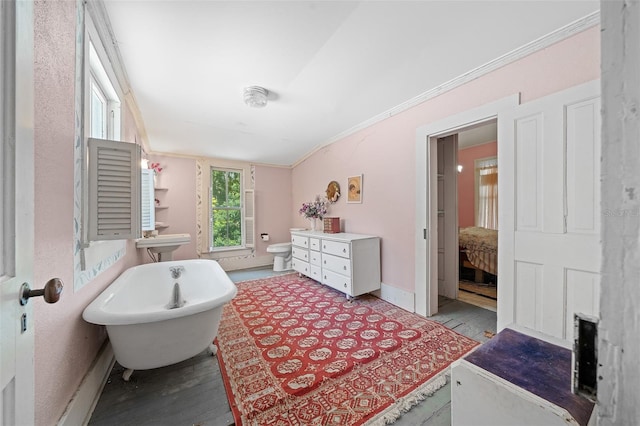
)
(192, 392)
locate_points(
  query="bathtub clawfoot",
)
(213, 349)
(144, 334)
(127, 374)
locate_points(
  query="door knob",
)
(51, 291)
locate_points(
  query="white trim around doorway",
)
(426, 291)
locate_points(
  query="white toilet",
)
(281, 256)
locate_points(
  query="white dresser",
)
(346, 262)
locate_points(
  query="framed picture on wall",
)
(354, 189)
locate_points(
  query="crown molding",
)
(536, 45)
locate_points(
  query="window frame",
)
(94, 88)
(91, 258)
(104, 80)
(478, 164)
(95, 71)
(242, 210)
(203, 210)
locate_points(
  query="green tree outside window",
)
(226, 208)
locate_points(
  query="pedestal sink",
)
(163, 245)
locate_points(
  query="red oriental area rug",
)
(295, 352)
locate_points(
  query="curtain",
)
(488, 198)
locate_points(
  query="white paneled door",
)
(16, 211)
(549, 186)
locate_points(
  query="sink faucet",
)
(176, 271)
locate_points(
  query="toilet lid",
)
(279, 246)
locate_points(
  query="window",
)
(487, 193)
(97, 112)
(104, 104)
(98, 115)
(226, 209)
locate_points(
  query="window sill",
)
(226, 253)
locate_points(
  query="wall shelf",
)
(161, 208)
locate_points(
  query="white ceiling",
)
(329, 65)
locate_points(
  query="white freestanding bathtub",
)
(146, 326)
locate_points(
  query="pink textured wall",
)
(65, 344)
(466, 180)
(385, 152)
(273, 198)
(179, 177)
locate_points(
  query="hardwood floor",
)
(487, 290)
(192, 392)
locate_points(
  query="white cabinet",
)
(346, 262)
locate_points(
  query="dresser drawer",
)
(315, 258)
(300, 266)
(299, 241)
(314, 244)
(300, 253)
(316, 273)
(337, 264)
(337, 281)
(336, 248)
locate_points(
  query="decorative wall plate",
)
(333, 191)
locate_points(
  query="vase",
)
(313, 223)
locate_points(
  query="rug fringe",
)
(407, 402)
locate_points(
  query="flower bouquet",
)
(156, 168)
(315, 209)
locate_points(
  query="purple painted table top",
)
(539, 367)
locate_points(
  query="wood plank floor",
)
(192, 392)
(490, 291)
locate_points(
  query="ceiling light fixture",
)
(255, 96)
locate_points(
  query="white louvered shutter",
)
(148, 203)
(114, 190)
(249, 218)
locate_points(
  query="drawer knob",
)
(345, 285)
(325, 262)
(325, 277)
(344, 250)
(345, 267)
(324, 246)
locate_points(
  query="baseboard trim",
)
(396, 296)
(86, 398)
(233, 264)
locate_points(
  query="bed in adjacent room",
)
(480, 245)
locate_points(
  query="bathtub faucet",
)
(176, 298)
(176, 271)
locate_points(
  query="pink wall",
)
(179, 177)
(385, 152)
(273, 198)
(466, 180)
(65, 344)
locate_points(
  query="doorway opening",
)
(426, 237)
(466, 204)
(477, 195)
